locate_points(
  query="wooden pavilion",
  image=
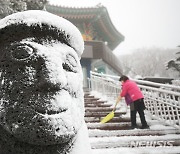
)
(99, 34)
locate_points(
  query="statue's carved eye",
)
(21, 52)
(70, 65)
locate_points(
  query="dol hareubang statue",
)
(42, 105)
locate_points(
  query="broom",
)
(110, 115)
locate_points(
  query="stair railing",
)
(162, 101)
(105, 84)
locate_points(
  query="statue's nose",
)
(50, 75)
(44, 82)
(47, 86)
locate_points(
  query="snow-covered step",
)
(114, 120)
(97, 105)
(134, 141)
(134, 132)
(139, 150)
(109, 126)
(115, 137)
(101, 114)
(99, 109)
(88, 99)
(95, 102)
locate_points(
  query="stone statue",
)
(41, 95)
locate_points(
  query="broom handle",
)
(117, 101)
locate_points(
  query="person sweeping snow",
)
(134, 98)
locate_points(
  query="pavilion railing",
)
(162, 101)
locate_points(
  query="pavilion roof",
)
(98, 15)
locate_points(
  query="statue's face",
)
(41, 91)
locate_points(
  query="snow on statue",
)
(42, 105)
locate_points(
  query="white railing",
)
(162, 101)
(105, 84)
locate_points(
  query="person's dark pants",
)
(133, 119)
(138, 106)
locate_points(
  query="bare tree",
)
(148, 62)
(175, 64)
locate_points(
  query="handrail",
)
(139, 81)
(162, 101)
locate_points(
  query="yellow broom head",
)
(107, 118)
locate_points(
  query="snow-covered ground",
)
(123, 144)
(159, 139)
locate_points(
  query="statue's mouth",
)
(57, 103)
(56, 117)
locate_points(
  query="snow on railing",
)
(162, 101)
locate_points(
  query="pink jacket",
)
(130, 87)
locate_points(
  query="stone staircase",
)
(116, 136)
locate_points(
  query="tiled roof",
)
(97, 14)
